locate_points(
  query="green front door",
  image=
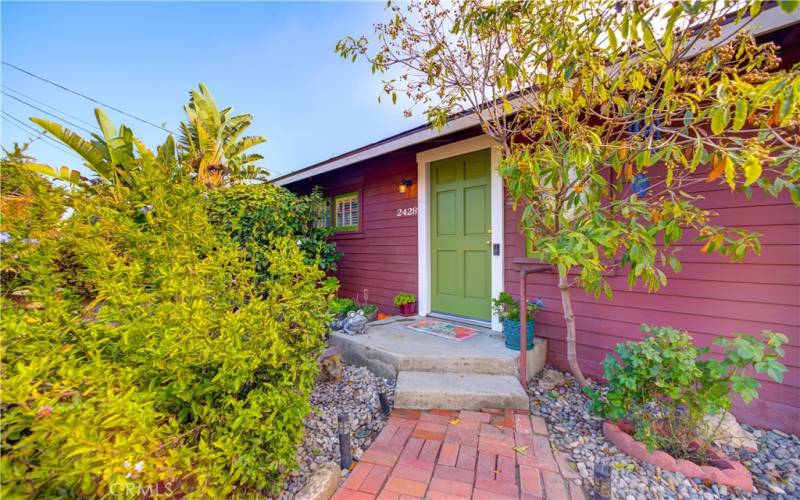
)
(461, 236)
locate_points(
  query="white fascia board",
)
(765, 22)
(460, 123)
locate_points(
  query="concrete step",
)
(458, 391)
(389, 348)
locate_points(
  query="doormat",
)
(443, 329)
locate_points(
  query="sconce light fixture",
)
(405, 184)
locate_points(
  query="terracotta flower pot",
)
(408, 309)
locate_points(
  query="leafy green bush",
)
(665, 385)
(142, 354)
(341, 306)
(256, 214)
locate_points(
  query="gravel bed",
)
(775, 468)
(356, 394)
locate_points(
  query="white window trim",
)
(424, 160)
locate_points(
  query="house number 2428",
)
(407, 212)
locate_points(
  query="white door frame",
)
(424, 159)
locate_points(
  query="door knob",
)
(488, 242)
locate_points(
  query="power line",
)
(49, 141)
(40, 134)
(31, 138)
(62, 87)
(48, 113)
(83, 96)
(48, 106)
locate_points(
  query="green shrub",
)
(141, 353)
(404, 298)
(665, 385)
(255, 214)
(341, 306)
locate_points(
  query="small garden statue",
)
(355, 323)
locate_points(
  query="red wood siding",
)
(710, 297)
(382, 256)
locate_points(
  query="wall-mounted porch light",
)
(405, 184)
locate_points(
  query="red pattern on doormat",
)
(443, 329)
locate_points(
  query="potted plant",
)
(407, 302)
(507, 310)
(339, 307)
(369, 310)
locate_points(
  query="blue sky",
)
(274, 60)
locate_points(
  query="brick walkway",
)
(440, 454)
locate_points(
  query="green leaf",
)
(688, 118)
(719, 119)
(435, 50)
(755, 8)
(789, 6)
(740, 116)
(636, 79)
(752, 170)
(669, 82)
(612, 40)
(507, 106)
(775, 371)
(93, 157)
(62, 174)
(730, 173)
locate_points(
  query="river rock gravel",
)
(775, 467)
(357, 394)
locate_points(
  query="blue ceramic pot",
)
(511, 330)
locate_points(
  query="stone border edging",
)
(722, 470)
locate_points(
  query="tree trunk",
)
(569, 317)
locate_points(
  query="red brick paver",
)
(444, 454)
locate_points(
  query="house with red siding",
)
(425, 212)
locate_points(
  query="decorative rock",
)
(322, 483)
(357, 394)
(723, 429)
(551, 379)
(566, 411)
(330, 365)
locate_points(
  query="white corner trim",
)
(498, 231)
(423, 239)
(424, 159)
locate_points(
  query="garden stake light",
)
(345, 452)
(384, 403)
(602, 473)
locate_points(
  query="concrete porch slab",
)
(388, 348)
